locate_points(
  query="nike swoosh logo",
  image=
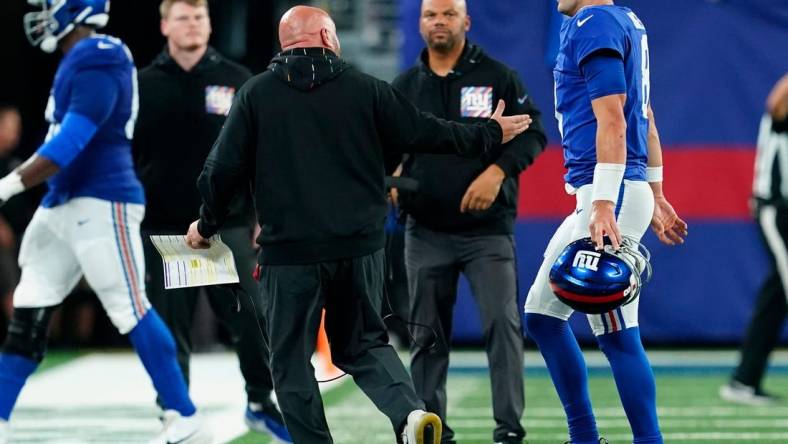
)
(102, 45)
(523, 99)
(583, 22)
(82, 222)
(190, 436)
(578, 211)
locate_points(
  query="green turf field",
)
(107, 398)
(690, 412)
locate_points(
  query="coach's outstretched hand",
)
(511, 126)
(667, 225)
(194, 239)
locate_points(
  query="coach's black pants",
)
(176, 308)
(764, 330)
(434, 261)
(351, 291)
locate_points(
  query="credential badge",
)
(219, 99)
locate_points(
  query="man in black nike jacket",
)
(461, 219)
(309, 135)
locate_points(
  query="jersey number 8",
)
(644, 68)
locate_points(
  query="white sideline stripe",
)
(118, 380)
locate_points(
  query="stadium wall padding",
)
(712, 66)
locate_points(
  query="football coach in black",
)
(184, 97)
(309, 135)
(461, 219)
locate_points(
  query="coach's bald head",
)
(308, 27)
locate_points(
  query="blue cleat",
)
(268, 421)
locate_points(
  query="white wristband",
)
(654, 174)
(11, 185)
(607, 181)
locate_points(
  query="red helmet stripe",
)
(588, 299)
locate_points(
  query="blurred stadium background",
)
(713, 63)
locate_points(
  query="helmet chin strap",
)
(49, 44)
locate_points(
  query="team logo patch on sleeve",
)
(476, 101)
(218, 99)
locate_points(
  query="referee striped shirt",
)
(770, 183)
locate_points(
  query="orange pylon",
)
(326, 368)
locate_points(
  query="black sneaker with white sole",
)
(510, 438)
(422, 428)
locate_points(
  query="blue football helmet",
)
(596, 282)
(57, 18)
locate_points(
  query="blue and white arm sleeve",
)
(75, 134)
(93, 97)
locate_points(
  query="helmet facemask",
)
(45, 28)
(637, 256)
(42, 28)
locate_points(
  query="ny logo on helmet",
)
(587, 260)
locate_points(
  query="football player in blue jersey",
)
(614, 161)
(88, 222)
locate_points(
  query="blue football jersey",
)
(595, 28)
(104, 168)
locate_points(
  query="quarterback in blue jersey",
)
(88, 222)
(614, 168)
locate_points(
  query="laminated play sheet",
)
(188, 267)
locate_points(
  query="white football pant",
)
(634, 211)
(92, 237)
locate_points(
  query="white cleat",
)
(422, 428)
(4, 431)
(177, 429)
(736, 392)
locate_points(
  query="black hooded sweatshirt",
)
(473, 87)
(181, 113)
(310, 135)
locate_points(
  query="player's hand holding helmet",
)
(57, 18)
(595, 282)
